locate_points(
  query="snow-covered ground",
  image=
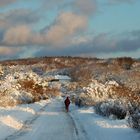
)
(48, 120)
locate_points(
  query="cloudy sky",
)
(95, 28)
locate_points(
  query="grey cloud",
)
(102, 43)
(55, 4)
(6, 2)
(98, 45)
(18, 16)
(84, 7)
(127, 44)
(105, 44)
(87, 7)
(1, 34)
(22, 16)
(135, 33)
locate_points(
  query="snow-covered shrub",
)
(32, 87)
(127, 94)
(84, 99)
(98, 92)
(37, 90)
(125, 62)
(6, 100)
(134, 121)
(111, 108)
(1, 70)
(24, 87)
(81, 73)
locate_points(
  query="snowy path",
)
(51, 123)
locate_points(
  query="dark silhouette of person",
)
(67, 103)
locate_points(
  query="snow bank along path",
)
(51, 123)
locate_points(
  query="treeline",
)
(125, 62)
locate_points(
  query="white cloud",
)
(17, 35)
(6, 51)
(65, 26)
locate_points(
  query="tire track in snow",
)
(80, 132)
(79, 129)
(27, 124)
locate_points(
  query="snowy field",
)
(47, 120)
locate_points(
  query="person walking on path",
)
(67, 103)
